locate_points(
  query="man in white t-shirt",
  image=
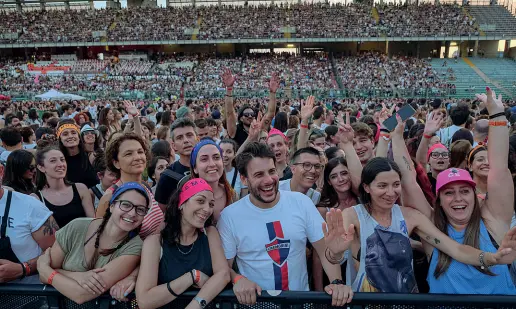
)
(306, 169)
(267, 232)
(31, 229)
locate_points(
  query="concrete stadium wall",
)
(512, 53)
(490, 48)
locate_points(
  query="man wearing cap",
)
(183, 112)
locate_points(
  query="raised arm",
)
(412, 194)
(345, 135)
(254, 133)
(274, 84)
(231, 119)
(307, 109)
(382, 148)
(500, 190)
(432, 125)
(134, 114)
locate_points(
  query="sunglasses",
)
(248, 115)
(32, 168)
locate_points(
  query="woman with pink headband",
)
(458, 213)
(187, 254)
(278, 143)
(206, 163)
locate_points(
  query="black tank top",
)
(79, 170)
(174, 264)
(63, 214)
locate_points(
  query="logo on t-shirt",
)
(278, 250)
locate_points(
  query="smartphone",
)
(405, 113)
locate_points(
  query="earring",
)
(181, 207)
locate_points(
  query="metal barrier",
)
(18, 296)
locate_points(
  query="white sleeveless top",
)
(385, 255)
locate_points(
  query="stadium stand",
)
(494, 20)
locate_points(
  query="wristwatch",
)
(201, 301)
(338, 281)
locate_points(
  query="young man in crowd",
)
(184, 138)
(306, 169)
(202, 128)
(11, 141)
(107, 179)
(318, 118)
(44, 119)
(12, 121)
(67, 111)
(363, 142)
(267, 232)
(459, 115)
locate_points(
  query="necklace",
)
(185, 253)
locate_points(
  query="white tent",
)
(56, 95)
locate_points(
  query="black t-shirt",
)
(169, 180)
(287, 174)
(79, 170)
(240, 135)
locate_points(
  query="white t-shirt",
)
(313, 194)
(26, 215)
(270, 244)
(238, 182)
(4, 155)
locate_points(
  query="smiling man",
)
(306, 169)
(363, 142)
(267, 230)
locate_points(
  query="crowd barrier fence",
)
(34, 296)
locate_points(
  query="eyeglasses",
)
(127, 206)
(436, 155)
(307, 166)
(248, 115)
(32, 168)
(89, 133)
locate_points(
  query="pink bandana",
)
(275, 131)
(191, 188)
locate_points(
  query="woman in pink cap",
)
(188, 253)
(458, 213)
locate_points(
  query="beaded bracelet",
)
(498, 123)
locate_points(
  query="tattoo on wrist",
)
(437, 241)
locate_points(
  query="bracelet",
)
(493, 123)
(171, 291)
(24, 271)
(427, 136)
(273, 92)
(229, 96)
(197, 276)
(303, 126)
(191, 274)
(331, 259)
(28, 270)
(51, 277)
(496, 115)
(481, 259)
(385, 135)
(385, 130)
(237, 278)
(229, 89)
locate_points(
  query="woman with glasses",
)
(19, 172)
(65, 199)
(187, 255)
(90, 141)
(206, 163)
(90, 255)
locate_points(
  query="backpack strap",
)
(233, 181)
(97, 192)
(3, 228)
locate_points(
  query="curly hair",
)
(113, 148)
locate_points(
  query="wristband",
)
(303, 126)
(237, 278)
(51, 277)
(427, 136)
(385, 130)
(229, 89)
(28, 270)
(338, 281)
(191, 274)
(229, 96)
(24, 271)
(197, 276)
(493, 123)
(171, 291)
(496, 115)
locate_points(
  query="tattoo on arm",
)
(437, 241)
(50, 227)
(407, 163)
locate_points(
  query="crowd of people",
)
(163, 197)
(360, 75)
(296, 20)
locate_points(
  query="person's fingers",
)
(130, 288)
(350, 296)
(325, 231)
(259, 290)
(87, 288)
(348, 121)
(253, 297)
(97, 284)
(340, 296)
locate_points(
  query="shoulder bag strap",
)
(3, 228)
(234, 178)
(97, 192)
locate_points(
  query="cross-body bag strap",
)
(3, 228)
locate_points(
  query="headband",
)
(434, 147)
(275, 131)
(67, 126)
(195, 151)
(191, 188)
(474, 151)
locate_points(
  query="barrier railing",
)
(18, 296)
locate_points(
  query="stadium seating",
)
(494, 20)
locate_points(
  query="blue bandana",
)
(195, 151)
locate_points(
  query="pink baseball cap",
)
(453, 175)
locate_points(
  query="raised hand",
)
(255, 128)
(307, 108)
(433, 123)
(385, 113)
(345, 133)
(130, 108)
(228, 78)
(493, 104)
(400, 128)
(274, 83)
(336, 237)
